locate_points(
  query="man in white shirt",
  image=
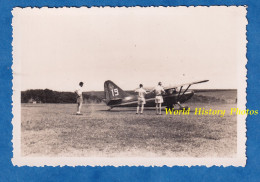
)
(141, 99)
(158, 97)
(79, 96)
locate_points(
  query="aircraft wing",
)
(180, 93)
(185, 84)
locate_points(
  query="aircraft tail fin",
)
(113, 92)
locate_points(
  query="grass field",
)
(54, 130)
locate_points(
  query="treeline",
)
(50, 96)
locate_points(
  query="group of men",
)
(141, 98)
(158, 98)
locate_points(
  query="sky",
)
(56, 48)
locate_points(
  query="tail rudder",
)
(112, 91)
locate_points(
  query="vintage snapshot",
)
(137, 86)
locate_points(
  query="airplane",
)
(116, 97)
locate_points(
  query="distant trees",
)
(47, 96)
(50, 96)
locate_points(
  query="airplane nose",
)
(190, 94)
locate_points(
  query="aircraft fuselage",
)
(169, 100)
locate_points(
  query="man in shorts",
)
(141, 99)
(158, 97)
(79, 96)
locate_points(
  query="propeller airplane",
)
(178, 94)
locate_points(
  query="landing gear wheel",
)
(182, 107)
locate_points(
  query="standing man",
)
(158, 97)
(141, 99)
(79, 96)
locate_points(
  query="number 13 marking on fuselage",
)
(115, 92)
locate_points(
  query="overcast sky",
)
(58, 48)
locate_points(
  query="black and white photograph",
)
(137, 86)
